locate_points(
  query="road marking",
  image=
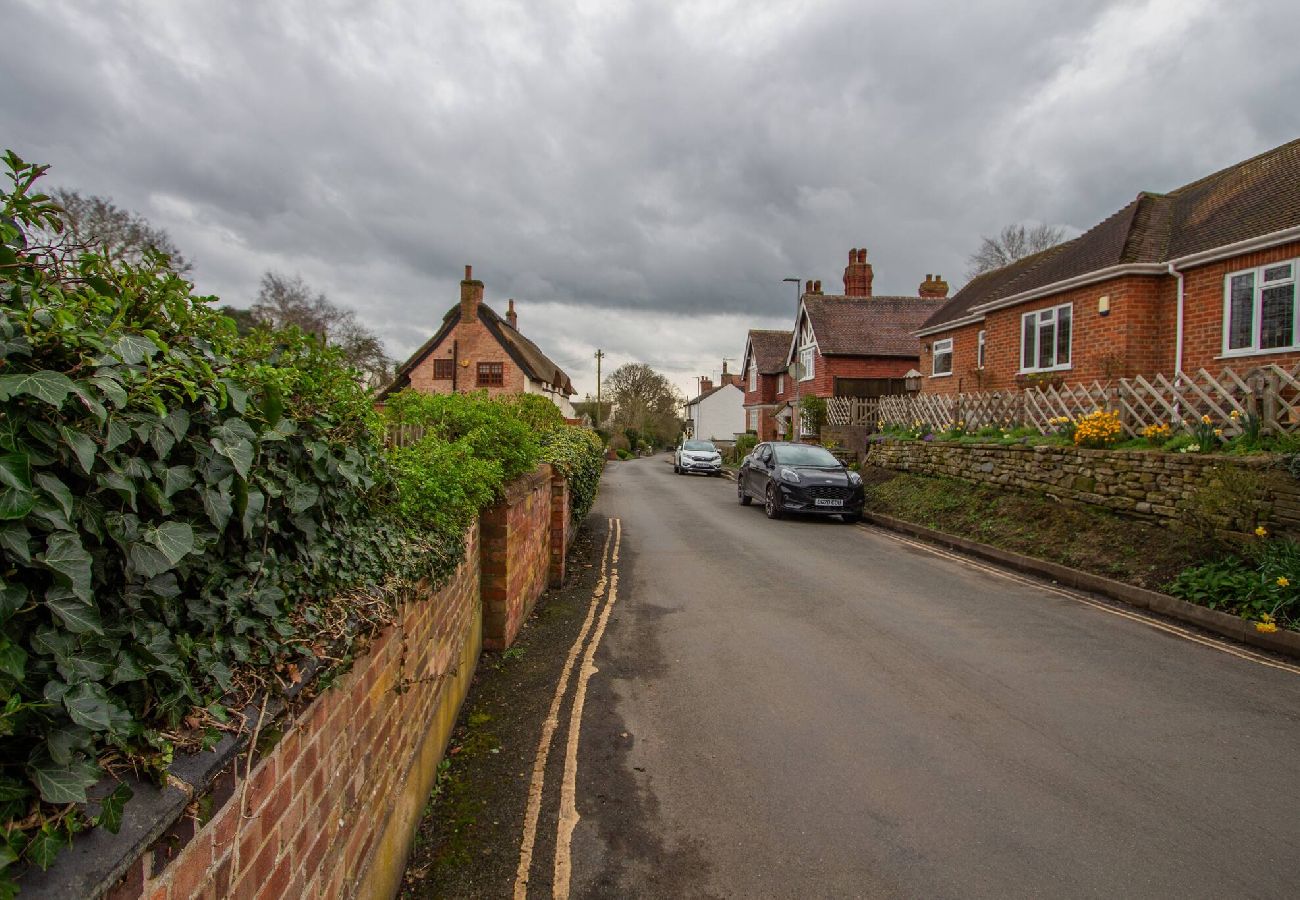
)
(569, 786)
(549, 725)
(1150, 621)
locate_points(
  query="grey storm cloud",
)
(640, 176)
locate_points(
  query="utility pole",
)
(796, 370)
(600, 354)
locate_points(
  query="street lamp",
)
(796, 423)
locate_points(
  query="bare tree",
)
(98, 223)
(645, 402)
(1012, 243)
(284, 302)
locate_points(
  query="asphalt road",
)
(804, 708)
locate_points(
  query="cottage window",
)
(807, 343)
(491, 374)
(979, 351)
(1045, 337)
(942, 361)
(753, 420)
(1259, 310)
(443, 369)
(780, 384)
(753, 377)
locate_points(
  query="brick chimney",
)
(511, 316)
(471, 295)
(857, 275)
(934, 287)
(728, 377)
(706, 385)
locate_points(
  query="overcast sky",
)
(639, 176)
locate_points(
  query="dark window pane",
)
(443, 368)
(1027, 342)
(1277, 316)
(1277, 273)
(1241, 308)
(1046, 342)
(1063, 336)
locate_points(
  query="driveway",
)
(803, 708)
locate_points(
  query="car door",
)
(762, 471)
(747, 470)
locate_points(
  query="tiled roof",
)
(867, 326)
(1249, 199)
(527, 355)
(709, 393)
(770, 348)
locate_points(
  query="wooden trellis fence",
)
(1270, 393)
(400, 435)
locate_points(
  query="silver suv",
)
(697, 456)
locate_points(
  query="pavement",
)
(803, 708)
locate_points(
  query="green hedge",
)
(183, 510)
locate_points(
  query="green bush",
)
(579, 454)
(493, 429)
(1263, 585)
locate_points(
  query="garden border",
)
(1286, 643)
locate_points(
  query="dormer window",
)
(807, 358)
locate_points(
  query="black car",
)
(801, 478)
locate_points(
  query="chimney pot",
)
(817, 287)
(511, 316)
(808, 288)
(471, 295)
(857, 275)
(469, 273)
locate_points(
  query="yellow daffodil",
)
(1261, 531)
(1265, 627)
(1283, 581)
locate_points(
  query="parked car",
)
(801, 478)
(697, 456)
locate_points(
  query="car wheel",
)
(851, 518)
(745, 499)
(677, 470)
(772, 503)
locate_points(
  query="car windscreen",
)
(805, 455)
(699, 445)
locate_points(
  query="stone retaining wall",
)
(1233, 493)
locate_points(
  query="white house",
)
(718, 413)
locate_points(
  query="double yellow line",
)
(1150, 621)
(606, 589)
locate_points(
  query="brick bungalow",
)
(763, 379)
(476, 349)
(1203, 276)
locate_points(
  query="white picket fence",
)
(1270, 393)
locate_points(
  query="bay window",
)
(1259, 310)
(942, 361)
(1045, 339)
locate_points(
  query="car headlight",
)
(790, 475)
(855, 478)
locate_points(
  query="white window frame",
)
(1258, 287)
(753, 376)
(979, 350)
(807, 358)
(753, 420)
(1041, 317)
(940, 348)
(780, 384)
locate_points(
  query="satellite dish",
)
(796, 370)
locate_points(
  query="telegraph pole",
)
(600, 354)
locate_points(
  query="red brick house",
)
(1203, 276)
(855, 344)
(476, 349)
(763, 379)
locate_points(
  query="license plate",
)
(820, 502)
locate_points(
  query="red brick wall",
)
(827, 368)
(323, 812)
(473, 344)
(516, 556)
(1135, 337)
(1203, 289)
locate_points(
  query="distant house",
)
(718, 413)
(475, 349)
(855, 344)
(763, 378)
(1201, 277)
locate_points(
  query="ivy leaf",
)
(174, 539)
(146, 560)
(16, 495)
(45, 845)
(13, 659)
(111, 807)
(63, 784)
(77, 617)
(118, 434)
(134, 349)
(217, 504)
(237, 396)
(57, 490)
(82, 446)
(88, 705)
(177, 422)
(302, 497)
(238, 451)
(65, 555)
(13, 538)
(51, 387)
(176, 478)
(64, 743)
(252, 509)
(111, 389)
